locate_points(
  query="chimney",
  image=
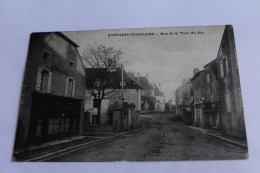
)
(196, 70)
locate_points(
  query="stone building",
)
(216, 92)
(148, 99)
(232, 113)
(51, 104)
(184, 100)
(199, 93)
(211, 102)
(160, 100)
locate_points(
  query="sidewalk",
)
(53, 149)
(234, 141)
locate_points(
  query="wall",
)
(199, 92)
(130, 95)
(229, 87)
(61, 51)
(161, 103)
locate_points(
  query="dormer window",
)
(46, 56)
(71, 64)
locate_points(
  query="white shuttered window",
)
(228, 101)
(43, 80)
(70, 87)
(226, 66)
(221, 68)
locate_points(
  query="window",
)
(46, 56)
(208, 79)
(70, 87)
(228, 101)
(43, 81)
(221, 68)
(195, 94)
(95, 103)
(226, 65)
(71, 64)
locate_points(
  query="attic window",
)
(71, 64)
(46, 56)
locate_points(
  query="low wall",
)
(126, 118)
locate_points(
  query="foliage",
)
(102, 63)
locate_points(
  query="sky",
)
(168, 56)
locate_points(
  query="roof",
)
(213, 66)
(67, 39)
(196, 75)
(143, 82)
(157, 92)
(113, 78)
(37, 35)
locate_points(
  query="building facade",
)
(148, 94)
(216, 92)
(131, 94)
(184, 101)
(51, 104)
(199, 94)
(160, 100)
(212, 116)
(232, 113)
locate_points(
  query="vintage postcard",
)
(149, 94)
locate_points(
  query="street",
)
(161, 139)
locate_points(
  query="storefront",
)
(53, 117)
(211, 116)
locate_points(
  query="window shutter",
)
(73, 88)
(67, 87)
(226, 66)
(49, 82)
(38, 79)
(228, 101)
(221, 68)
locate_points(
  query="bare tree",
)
(103, 76)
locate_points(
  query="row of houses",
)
(56, 99)
(211, 98)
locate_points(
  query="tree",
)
(103, 76)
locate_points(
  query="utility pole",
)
(122, 84)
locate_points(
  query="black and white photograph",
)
(145, 94)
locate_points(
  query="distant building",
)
(148, 99)
(51, 104)
(147, 88)
(184, 100)
(160, 100)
